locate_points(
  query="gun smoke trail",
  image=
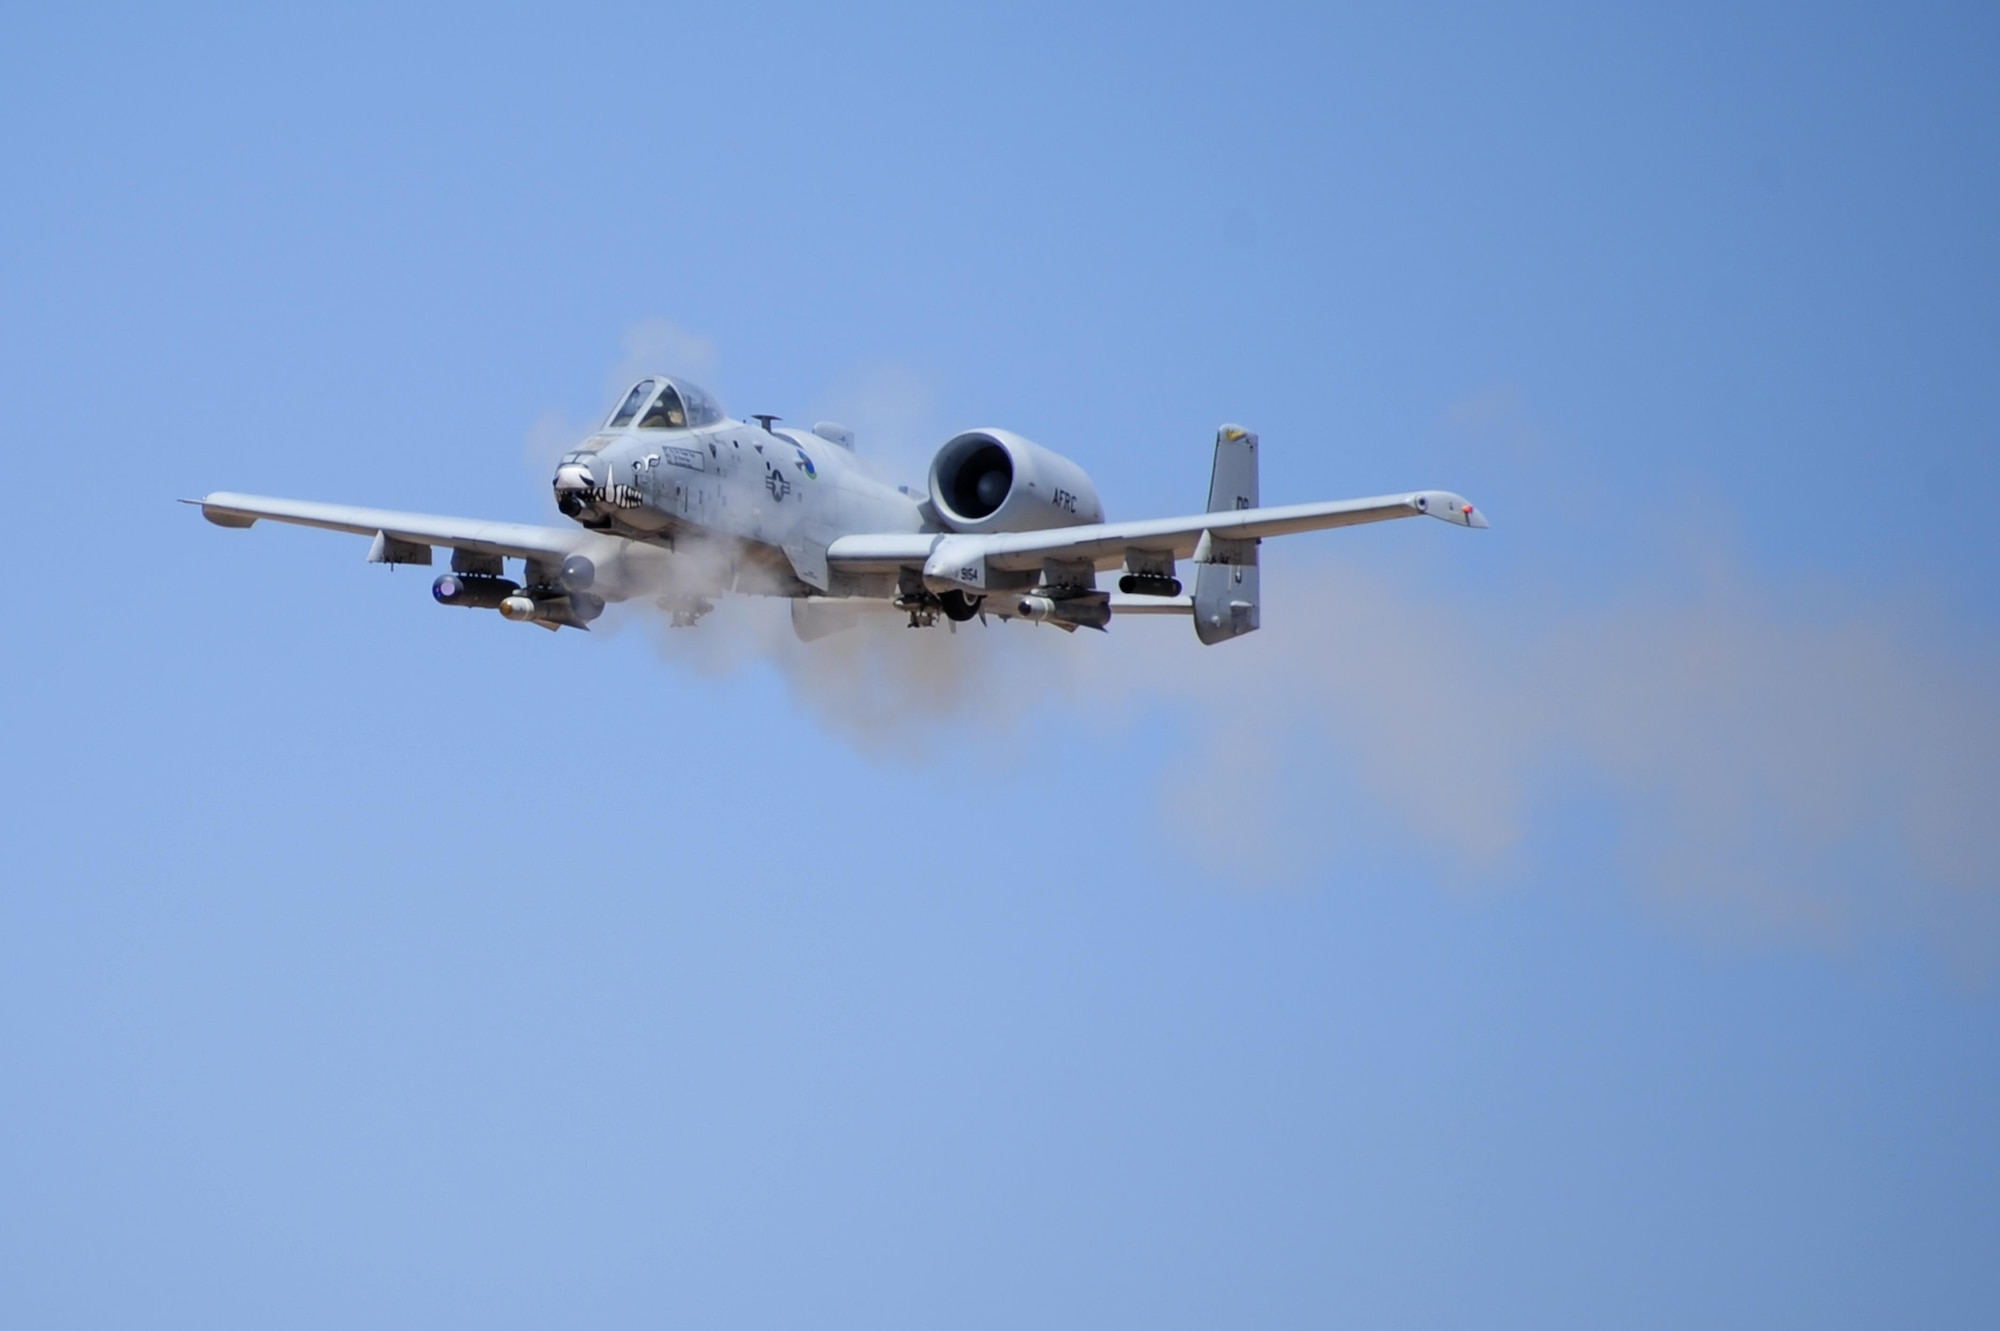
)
(1770, 764)
(1768, 761)
(1788, 765)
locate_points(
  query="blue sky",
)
(1583, 922)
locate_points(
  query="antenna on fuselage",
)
(765, 421)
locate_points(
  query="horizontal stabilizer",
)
(1151, 605)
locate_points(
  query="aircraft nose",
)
(574, 484)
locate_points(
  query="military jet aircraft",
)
(676, 501)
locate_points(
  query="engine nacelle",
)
(994, 480)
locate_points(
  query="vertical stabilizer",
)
(1225, 581)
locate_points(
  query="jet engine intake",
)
(994, 480)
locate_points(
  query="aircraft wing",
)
(1104, 543)
(398, 534)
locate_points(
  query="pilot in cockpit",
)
(680, 405)
(666, 413)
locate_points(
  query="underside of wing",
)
(402, 537)
(1105, 544)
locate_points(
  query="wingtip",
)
(222, 517)
(1449, 507)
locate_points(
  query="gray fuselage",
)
(745, 507)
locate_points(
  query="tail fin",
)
(1225, 580)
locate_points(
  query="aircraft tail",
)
(1226, 602)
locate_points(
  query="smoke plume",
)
(1800, 765)
(1760, 760)
(1761, 764)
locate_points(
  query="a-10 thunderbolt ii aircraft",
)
(674, 500)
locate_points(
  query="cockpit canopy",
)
(661, 403)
